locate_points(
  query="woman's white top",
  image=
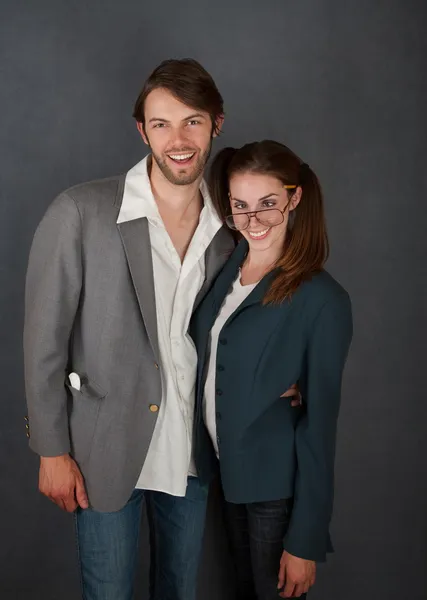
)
(233, 300)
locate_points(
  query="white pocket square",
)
(75, 381)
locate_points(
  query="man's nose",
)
(179, 136)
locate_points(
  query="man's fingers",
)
(306, 587)
(81, 495)
(66, 501)
(290, 393)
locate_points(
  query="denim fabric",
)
(256, 533)
(108, 545)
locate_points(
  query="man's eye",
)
(158, 125)
(194, 122)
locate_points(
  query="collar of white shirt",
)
(138, 200)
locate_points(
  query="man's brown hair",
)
(189, 82)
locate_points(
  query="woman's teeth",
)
(258, 234)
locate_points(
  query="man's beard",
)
(184, 178)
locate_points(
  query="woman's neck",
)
(258, 263)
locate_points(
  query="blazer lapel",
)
(216, 255)
(136, 241)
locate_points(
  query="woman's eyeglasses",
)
(270, 217)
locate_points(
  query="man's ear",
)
(218, 125)
(142, 133)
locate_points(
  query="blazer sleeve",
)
(53, 286)
(328, 345)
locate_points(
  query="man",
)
(116, 269)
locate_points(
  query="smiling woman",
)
(276, 461)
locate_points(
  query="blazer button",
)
(219, 392)
(154, 408)
(220, 368)
(223, 341)
(156, 365)
(28, 434)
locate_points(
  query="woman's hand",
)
(296, 574)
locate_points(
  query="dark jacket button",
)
(223, 341)
(218, 416)
(219, 392)
(220, 368)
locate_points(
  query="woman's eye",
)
(240, 206)
(269, 204)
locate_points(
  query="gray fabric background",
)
(344, 84)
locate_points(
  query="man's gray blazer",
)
(90, 309)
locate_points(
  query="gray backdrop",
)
(344, 84)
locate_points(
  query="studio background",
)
(344, 84)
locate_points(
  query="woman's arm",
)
(329, 341)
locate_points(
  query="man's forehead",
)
(160, 103)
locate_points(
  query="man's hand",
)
(294, 393)
(296, 574)
(61, 481)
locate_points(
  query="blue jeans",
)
(108, 545)
(255, 532)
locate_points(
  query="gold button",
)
(28, 434)
(26, 418)
(154, 407)
(27, 426)
(156, 365)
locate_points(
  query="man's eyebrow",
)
(158, 119)
(196, 115)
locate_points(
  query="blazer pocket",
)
(83, 411)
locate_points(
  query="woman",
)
(273, 318)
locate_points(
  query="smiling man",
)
(116, 269)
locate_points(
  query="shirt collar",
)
(138, 200)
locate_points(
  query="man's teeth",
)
(181, 156)
(258, 233)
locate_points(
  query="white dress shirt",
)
(233, 300)
(168, 462)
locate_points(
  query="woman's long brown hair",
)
(306, 247)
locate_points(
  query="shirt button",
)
(219, 392)
(223, 341)
(220, 368)
(153, 408)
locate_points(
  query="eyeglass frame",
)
(254, 213)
